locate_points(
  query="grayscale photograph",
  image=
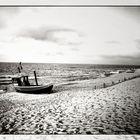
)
(70, 70)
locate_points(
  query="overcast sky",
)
(97, 35)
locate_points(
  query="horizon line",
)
(71, 63)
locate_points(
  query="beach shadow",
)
(36, 93)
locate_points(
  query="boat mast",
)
(35, 78)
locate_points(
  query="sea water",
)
(57, 73)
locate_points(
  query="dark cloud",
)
(137, 40)
(51, 34)
(113, 42)
(132, 12)
(122, 59)
(5, 14)
(137, 43)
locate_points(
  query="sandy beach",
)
(109, 105)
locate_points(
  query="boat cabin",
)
(21, 81)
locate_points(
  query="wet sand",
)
(77, 107)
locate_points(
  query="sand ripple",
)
(79, 109)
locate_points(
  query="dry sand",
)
(75, 108)
(69, 137)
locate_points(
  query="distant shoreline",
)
(137, 65)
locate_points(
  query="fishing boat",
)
(21, 84)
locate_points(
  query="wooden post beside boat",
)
(19, 70)
(35, 78)
(20, 65)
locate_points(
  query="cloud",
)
(61, 36)
(113, 42)
(60, 53)
(9, 10)
(1, 23)
(137, 43)
(122, 59)
(133, 12)
(5, 15)
(75, 49)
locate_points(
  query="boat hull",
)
(34, 89)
